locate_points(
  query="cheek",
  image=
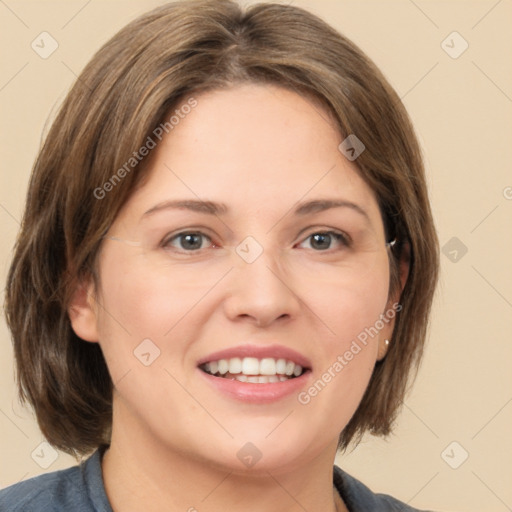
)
(349, 303)
(136, 304)
(146, 297)
(351, 309)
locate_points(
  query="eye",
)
(188, 241)
(322, 240)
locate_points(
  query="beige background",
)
(462, 110)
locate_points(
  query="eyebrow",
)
(213, 208)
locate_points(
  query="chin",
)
(260, 455)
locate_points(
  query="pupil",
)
(189, 244)
(321, 238)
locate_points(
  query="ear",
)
(82, 310)
(385, 335)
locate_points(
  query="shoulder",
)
(79, 488)
(51, 491)
(359, 498)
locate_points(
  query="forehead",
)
(253, 146)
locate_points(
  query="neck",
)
(141, 474)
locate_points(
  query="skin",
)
(260, 150)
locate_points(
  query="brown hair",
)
(128, 89)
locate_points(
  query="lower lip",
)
(257, 393)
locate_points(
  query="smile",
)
(253, 370)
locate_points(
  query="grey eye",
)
(322, 240)
(188, 241)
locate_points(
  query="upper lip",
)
(258, 351)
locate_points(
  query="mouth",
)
(254, 370)
(257, 374)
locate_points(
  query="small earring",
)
(386, 342)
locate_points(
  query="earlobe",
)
(385, 335)
(82, 311)
(385, 338)
(383, 348)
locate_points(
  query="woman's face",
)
(252, 269)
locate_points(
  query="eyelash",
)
(340, 237)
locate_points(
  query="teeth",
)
(250, 366)
(281, 366)
(223, 366)
(235, 365)
(290, 366)
(252, 369)
(268, 366)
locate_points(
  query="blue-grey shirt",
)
(81, 489)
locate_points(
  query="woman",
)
(225, 269)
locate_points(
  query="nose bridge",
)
(260, 265)
(261, 288)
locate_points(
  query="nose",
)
(261, 292)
